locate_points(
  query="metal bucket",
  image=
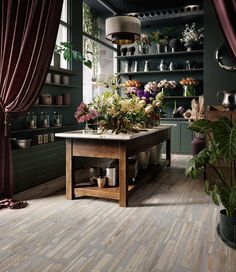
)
(155, 154)
(143, 159)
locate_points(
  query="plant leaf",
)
(228, 199)
(201, 126)
(197, 162)
(206, 188)
(214, 195)
(224, 133)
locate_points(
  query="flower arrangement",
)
(84, 113)
(151, 87)
(165, 86)
(144, 39)
(131, 86)
(197, 110)
(122, 114)
(143, 44)
(189, 81)
(189, 84)
(159, 37)
(191, 36)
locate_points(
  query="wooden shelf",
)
(181, 97)
(162, 72)
(61, 85)
(114, 192)
(40, 129)
(173, 119)
(52, 106)
(160, 55)
(61, 71)
(174, 17)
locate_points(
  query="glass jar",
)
(31, 120)
(44, 120)
(57, 119)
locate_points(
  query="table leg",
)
(123, 200)
(168, 152)
(70, 171)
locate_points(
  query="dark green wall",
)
(41, 163)
(215, 78)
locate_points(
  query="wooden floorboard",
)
(169, 226)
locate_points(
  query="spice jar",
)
(44, 120)
(31, 120)
(57, 119)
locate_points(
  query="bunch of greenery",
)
(68, 53)
(220, 158)
(161, 37)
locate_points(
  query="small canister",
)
(111, 176)
(31, 120)
(57, 119)
(44, 120)
(59, 100)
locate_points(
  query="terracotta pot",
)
(101, 182)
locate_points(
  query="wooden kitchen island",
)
(114, 146)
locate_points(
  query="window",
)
(64, 30)
(104, 64)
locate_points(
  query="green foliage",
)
(219, 154)
(68, 53)
(161, 37)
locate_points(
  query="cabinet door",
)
(175, 136)
(186, 136)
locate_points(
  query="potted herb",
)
(66, 49)
(218, 160)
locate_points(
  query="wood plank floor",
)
(169, 226)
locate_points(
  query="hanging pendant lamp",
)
(123, 29)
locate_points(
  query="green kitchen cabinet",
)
(181, 136)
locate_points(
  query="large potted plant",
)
(218, 160)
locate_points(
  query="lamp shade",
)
(123, 29)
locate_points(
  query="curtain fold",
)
(28, 34)
(226, 14)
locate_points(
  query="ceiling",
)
(125, 6)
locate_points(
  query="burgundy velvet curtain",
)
(28, 34)
(226, 13)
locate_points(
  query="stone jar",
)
(46, 99)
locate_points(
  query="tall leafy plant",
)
(220, 158)
(68, 53)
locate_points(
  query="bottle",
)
(162, 66)
(146, 66)
(135, 66)
(171, 66)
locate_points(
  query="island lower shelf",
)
(114, 192)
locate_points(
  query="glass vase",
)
(87, 129)
(188, 90)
